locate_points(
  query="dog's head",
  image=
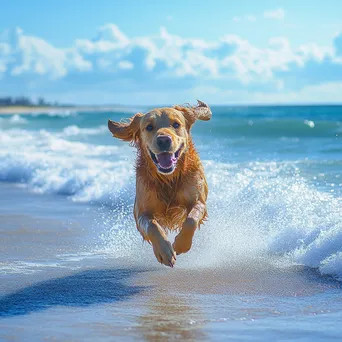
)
(162, 133)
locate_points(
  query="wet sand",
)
(52, 288)
(130, 303)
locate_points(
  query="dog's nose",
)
(164, 142)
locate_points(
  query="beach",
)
(73, 266)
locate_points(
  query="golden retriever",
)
(171, 189)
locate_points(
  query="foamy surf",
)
(74, 130)
(258, 209)
(46, 163)
(257, 212)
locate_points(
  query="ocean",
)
(266, 266)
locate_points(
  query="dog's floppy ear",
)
(199, 112)
(127, 131)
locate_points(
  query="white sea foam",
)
(56, 112)
(23, 267)
(256, 209)
(17, 119)
(12, 120)
(74, 130)
(49, 164)
(309, 123)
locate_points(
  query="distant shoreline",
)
(22, 110)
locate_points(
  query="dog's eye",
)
(176, 125)
(149, 128)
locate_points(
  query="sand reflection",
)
(171, 317)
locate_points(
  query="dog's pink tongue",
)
(165, 159)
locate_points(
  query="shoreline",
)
(11, 110)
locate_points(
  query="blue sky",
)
(143, 52)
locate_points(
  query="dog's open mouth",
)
(166, 162)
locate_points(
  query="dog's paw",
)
(182, 243)
(164, 252)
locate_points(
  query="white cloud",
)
(258, 65)
(277, 14)
(110, 32)
(28, 54)
(316, 52)
(116, 62)
(126, 65)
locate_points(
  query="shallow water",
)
(264, 267)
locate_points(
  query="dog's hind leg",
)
(183, 240)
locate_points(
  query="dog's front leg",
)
(152, 232)
(183, 240)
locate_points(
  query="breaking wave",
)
(255, 208)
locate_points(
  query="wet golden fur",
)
(175, 201)
(171, 197)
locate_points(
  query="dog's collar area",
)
(166, 162)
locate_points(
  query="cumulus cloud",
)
(165, 62)
(20, 54)
(277, 14)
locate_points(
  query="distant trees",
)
(41, 102)
(25, 101)
(6, 101)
